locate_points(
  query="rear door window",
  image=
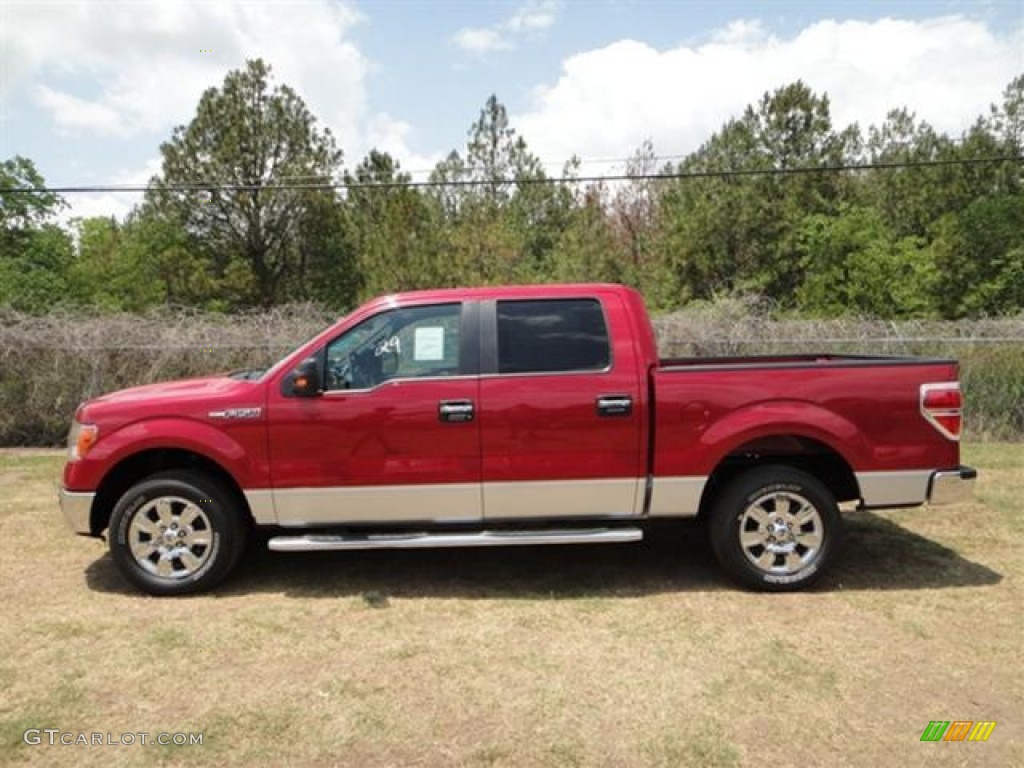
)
(552, 336)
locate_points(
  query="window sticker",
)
(428, 344)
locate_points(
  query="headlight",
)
(81, 439)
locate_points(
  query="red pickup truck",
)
(508, 416)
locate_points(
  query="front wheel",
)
(176, 533)
(776, 529)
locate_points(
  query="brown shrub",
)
(51, 363)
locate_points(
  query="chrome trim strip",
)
(893, 489)
(952, 486)
(77, 509)
(436, 540)
(573, 372)
(261, 505)
(396, 380)
(453, 502)
(561, 498)
(676, 496)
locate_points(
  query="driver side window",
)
(398, 343)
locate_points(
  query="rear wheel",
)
(176, 533)
(776, 529)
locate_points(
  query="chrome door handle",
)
(455, 410)
(614, 405)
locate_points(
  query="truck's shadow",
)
(878, 555)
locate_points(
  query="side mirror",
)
(305, 380)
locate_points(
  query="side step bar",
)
(329, 542)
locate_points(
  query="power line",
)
(676, 175)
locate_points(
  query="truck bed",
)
(869, 405)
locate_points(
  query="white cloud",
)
(387, 134)
(106, 204)
(536, 15)
(136, 70)
(481, 40)
(533, 16)
(141, 67)
(117, 204)
(607, 101)
(71, 112)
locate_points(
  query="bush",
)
(51, 363)
(990, 352)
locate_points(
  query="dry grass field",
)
(629, 655)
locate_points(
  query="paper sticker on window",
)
(429, 344)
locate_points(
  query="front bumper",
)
(77, 509)
(952, 486)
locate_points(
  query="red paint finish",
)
(176, 415)
(528, 427)
(547, 427)
(868, 414)
(390, 435)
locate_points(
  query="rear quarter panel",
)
(869, 412)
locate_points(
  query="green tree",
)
(392, 228)
(224, 179)
(854, 264)
(588, 248)
(741, 233)
(980, 257)
(908, 199)
(502, 215)
(25, 203)
(108, 272)
(35, 253)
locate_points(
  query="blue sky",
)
(88, 90)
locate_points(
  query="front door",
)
(394, 438)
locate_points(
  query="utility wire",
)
(676, 175)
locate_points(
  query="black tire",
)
(187, 531)
(775, 529)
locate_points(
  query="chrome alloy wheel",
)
(781, 533)
(171, 537)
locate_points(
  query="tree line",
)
(243, 214)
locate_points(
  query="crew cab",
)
(509, 416)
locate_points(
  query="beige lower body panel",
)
(676, 496)
(462, 503)
(378, 504)
(549, 499)
(894, 489)
(261, 505)
(619, 497)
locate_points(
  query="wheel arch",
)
(812, 455)
(131, 469)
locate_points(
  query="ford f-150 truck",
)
(508, 416)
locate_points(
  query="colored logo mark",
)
(958, 730)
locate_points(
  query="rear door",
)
(560, 413)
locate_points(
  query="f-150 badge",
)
(236, 413)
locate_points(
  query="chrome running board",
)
(328, 542)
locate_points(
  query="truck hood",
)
(201, 388)
(190, 398)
